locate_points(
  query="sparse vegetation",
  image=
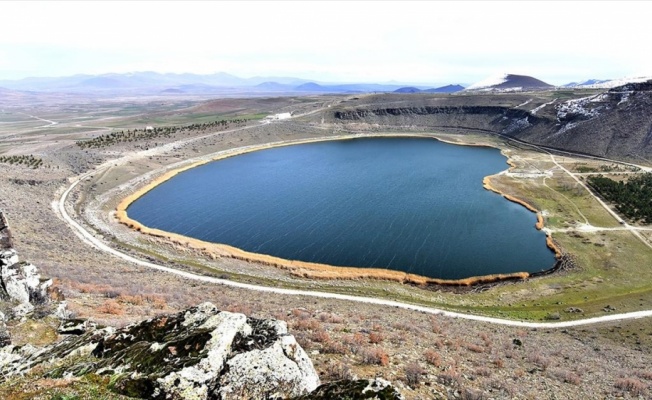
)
(147, 134)
(413, 374)
(631, 385)
(375, 356)
(27, 161)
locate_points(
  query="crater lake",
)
(411, 204)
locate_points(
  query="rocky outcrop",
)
(200, 353)
(20, 282)
(5, 233)
(22, 290)
(378, 389)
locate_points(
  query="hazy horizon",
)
(352, 42)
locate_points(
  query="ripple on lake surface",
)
(409, 204)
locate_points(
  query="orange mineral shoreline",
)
(308, 269)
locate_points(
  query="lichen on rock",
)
(199, 353)
(378, 389)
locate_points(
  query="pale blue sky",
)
(428, 42)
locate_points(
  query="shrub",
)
(337, 371)
(300, 313)
(375, 337)
(111, 307)
(158, 302)
(374, 356)
(485, 339)
(471, 394)
(355, 342)
(567, 376)
(134, 300)
(307, 325)
(321, 336)
(450, 377)
(413, 373)
(333, 347)
(631, 385)
(539, 359)
(330, 318)
(432, 357)
(475, 348)
(644, 374)
(435, 326)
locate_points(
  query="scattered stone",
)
(609, 308)
(76, 327)
(378, 388)
(517, 342)
(553, 316)
(62, 311)
(574, 310)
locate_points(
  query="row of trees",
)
(145, 134)
(29, 160)
(633, 198)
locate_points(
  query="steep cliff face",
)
(616, 123)
(488, 118)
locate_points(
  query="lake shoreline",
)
(316, 270)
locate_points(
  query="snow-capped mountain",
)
(508, 83)
(585, 83)
(608, 84)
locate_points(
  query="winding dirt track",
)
(87, 237)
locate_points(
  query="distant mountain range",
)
(588, 82)
(157, 83)
(221, 83)
(442, 89)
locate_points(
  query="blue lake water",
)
(408, 204)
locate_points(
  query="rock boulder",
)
(200, 353)
(378, 389)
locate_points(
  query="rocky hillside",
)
(199, 353)
(616, 123)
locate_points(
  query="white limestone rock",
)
(23, 284)
(279, 371)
